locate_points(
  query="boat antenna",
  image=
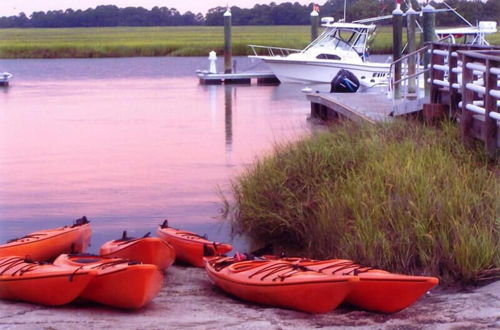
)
(453, 10)
(345, 4)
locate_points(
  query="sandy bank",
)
(189, 300)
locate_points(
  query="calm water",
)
(129, 142)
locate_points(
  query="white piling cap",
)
(398, 10)
(428, 8)
(411, 11)
(212, 55)
(314, 13)
(227, 13)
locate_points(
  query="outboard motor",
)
(344, 82)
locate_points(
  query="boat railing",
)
(272, 51)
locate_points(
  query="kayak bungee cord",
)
(17, 261)
(343, 265)
(292, 269)
(36, 235)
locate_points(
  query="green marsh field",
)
(159, 41)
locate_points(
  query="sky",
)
(14, 7)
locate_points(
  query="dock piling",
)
(429, 33)
(397, 41)
(314, 24)
(227, 42)
(411, 18)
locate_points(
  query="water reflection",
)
(128, 153)
(228, 116)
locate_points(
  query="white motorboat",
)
(4, 78)
(470, 35)
(340, 46)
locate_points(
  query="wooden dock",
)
(262, 78)
(473, 101)
(369, 107)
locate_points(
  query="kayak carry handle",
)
(207, 251)
(79, 222)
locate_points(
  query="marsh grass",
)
(159, 41)
(401, 197)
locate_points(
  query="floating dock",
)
(367, 107)
(261, 78)
(4, 78)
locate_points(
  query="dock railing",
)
(411, 75)
(406, 92)
(446, 70)
(272, 51)
(480, 96)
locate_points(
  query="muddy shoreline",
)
(189, 300)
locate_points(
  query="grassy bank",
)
(159, 41)
(141, 41)
(154, 41)
(401, 197)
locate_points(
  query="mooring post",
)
(411, 18)
(429, 33)
(397, 41)
(314, 24)
(212, 59)
(227, 42)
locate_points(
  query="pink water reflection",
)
(127, 153)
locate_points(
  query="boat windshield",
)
(343, 39)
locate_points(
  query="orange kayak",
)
(279, 283)
(48, 244)
(189, 246)
(377, 290)
(147, 250)
(119, 282)
(44, 284)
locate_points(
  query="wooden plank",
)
(467, 98)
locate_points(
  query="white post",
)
(212, 58)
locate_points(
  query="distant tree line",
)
(272, 14)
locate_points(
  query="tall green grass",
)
(159, 41)
(401, 197)
(142, 41)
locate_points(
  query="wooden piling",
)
(397, 41)
(467, 98)
(314, 24)
(228, 48)
(490, 105)
(411, 18)
(429, 34)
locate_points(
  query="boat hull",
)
(305, 291)
(321, 72)
(118, 283)
(377, 290)
(41, 284)
(189, 247)
(47, 244)
(147, 250)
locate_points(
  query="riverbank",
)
(156, 41)
(189, 300)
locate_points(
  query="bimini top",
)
(328, 22)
